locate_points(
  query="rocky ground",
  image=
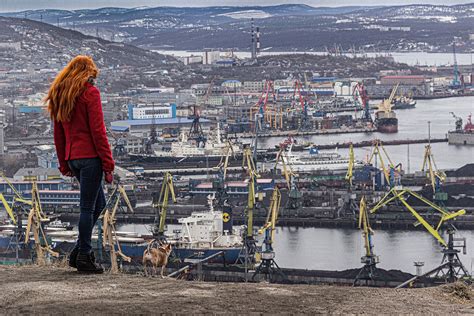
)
(46, 290)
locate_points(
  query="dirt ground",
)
(47, 290)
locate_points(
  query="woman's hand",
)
(109, 177)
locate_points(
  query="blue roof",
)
(120, 128)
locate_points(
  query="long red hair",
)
(68, 85)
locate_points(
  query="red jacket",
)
(84, 136)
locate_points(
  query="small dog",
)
(157, 257)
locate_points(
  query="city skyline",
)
(20, 5)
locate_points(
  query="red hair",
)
(68, 85)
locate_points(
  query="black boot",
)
(86, 263)
(73, 257)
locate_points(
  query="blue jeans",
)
(89, 173)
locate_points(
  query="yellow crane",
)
(249, 164)
(167, 189)
(435, 175)
(380, 155)
(224, 162)
(35, 219)
(403, 194)
(16, 198)
(386, 104)
(350, 167)
(451, 267)
(110, 239)
(268, 267)
(288, 173)
(370, 260)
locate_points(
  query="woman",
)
(82, 148)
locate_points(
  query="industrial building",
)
(142, 128)
(146, 111)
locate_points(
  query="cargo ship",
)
(385, 118)
(462, 135)
(201, 235)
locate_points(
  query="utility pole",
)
(429, 132)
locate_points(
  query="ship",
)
(201, 235)
(403, 102)
(462, 135)
(385, 118)
(314, 161)
(185, 150)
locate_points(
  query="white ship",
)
(184, 149)
(314, 161)
(203, 234)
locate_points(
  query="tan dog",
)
(157, 257)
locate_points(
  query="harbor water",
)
(410, 58)
(412, 124)
(340, 249)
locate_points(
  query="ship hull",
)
(135, 252)
(460, 138)
(387, 125)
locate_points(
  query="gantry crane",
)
(221, 191)
(294, 195)
(451, 267)
(436, 176)
(108, 215)
(350, 166)
(268, 266)
(458, 123)
(264, 112)
(167, 189)
(370, 260)
(379, 154)
(349, 203)
(36, 218)
(248, 163)
(362, 98)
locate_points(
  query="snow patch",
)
(247, 14)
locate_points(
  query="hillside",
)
(284, 27)
(47, 48)
(46, 290)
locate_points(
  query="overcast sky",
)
(19, 5)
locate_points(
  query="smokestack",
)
(254, 54)
(258, 42)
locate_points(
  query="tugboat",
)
(403, 102)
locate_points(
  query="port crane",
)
(436, 176)
(254, 197)
(349, 203)
(36, 218)
(268, 266)
(167, 190)
(370, 260)
(457, 78)
(264, 110)
(451, 267)
(458, 121)
(294, 194)
(380, 155)
(110, 240)
(361, 97)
